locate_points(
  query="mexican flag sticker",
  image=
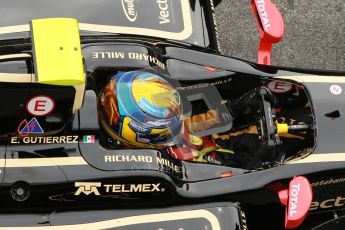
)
(89, 139)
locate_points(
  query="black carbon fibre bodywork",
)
(177, 181)
(60, 179)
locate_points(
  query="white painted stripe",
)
(16, 77)
(13, 56)
(44, 162)
(14, 29)
(65, 161)
(79, 97)
(133, 220)
(323, 157)
(314, 78)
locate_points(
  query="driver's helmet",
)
(141, 109)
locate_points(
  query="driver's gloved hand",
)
(251, 101)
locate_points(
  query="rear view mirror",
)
(271, 27)
(297, 199)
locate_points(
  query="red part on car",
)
(181, 153)
(297, 198)
(271, 27)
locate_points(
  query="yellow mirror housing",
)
(57, 52)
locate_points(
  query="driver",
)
(141, 109)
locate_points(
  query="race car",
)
(132, 119)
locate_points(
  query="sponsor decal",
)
(142, 159)
(88, 188)
(328, 182)
(138, 128)
(261, 7)
(46, 140)
(146, 57)
(204, 85)
(169, 164)
(130, 9)
(127, 158)
(143, 140)
(164, 14)
(118, 188)
(128, 55)
(40, 106)
(336, 89)
(158, 123)
(280, 86)
(338, 202)
(89, 139)
(31, 127)
(108, 55)
(293, 200)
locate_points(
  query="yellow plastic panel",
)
(57, 52)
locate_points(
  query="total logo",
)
(96, 188)
(293, 199)
(261, 6)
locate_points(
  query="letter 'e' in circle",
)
(40, 106)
